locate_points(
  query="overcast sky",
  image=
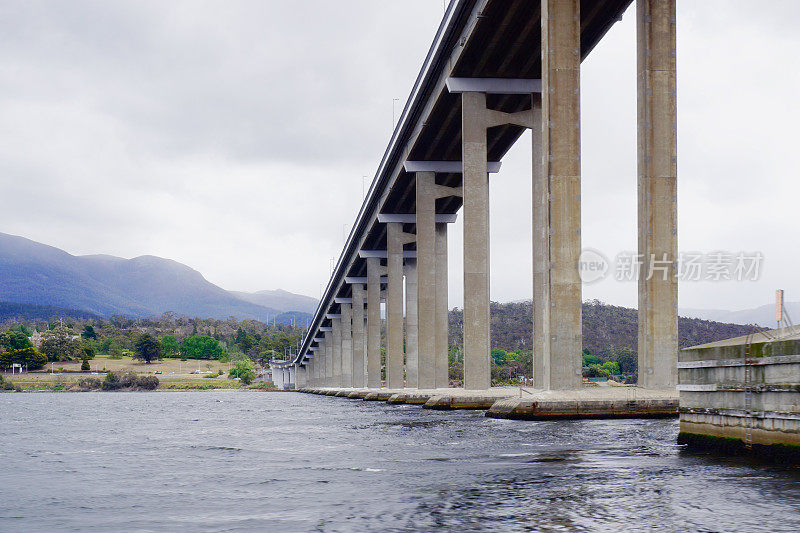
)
(233, 136)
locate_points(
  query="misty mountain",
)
(30, 312)
(280, 300)
(34, 273)
(763, 315)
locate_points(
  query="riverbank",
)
(172, 374)
(89, 381)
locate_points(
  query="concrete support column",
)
(300, 376)
(394, 306)
(412, 325)
(374, 271)
(475, 190)
(347, 345)
(657, 193)
(557, 224)
(329, 359)
(441, 344)
(358, 336)
(337, 352)
(426, 278)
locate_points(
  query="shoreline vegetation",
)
(160, 353)
(207, 354)
(120, 382)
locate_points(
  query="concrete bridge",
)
(495, 68)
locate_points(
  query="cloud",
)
(233, 136)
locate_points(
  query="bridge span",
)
(495, 68)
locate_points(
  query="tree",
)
(201, 347)
(61, 344)
(169, 346)
(14, 340)
(628, 360)
(595, 371)
(147, 348)
(589, 359)
(29, 356)
(243, 370)
(499, 357)
(88, 332)
(611, 367)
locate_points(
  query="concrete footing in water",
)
(525, 404)
(742, 395)
(622, 402)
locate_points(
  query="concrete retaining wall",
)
(714, 394)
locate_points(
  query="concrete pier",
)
(359, 345)
(347, 344)
(329, 358)
(475, 191)
(557, 201)
(374, 272)
(394, 306)
(426, 278)
(336, 358)
(734, 401)
(657, 192)
(442, 370)
(412, 325)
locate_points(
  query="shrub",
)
(85, 365)
(147, 382)
(90, 384)
(129, 380)
(6, 384)
(263, 385)
(242, 366)
(595, 371)
(247, 377)
(112, 381)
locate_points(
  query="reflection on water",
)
(234, 461)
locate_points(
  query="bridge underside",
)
(497, 67)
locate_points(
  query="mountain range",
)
(763, 315)
(37, 274)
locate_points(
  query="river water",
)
(254, 461)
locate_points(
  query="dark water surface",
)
(236, 461)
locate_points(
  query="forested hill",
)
(605, 327)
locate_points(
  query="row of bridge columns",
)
(349, 352)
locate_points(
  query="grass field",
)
(165, 366)
(174, 374)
